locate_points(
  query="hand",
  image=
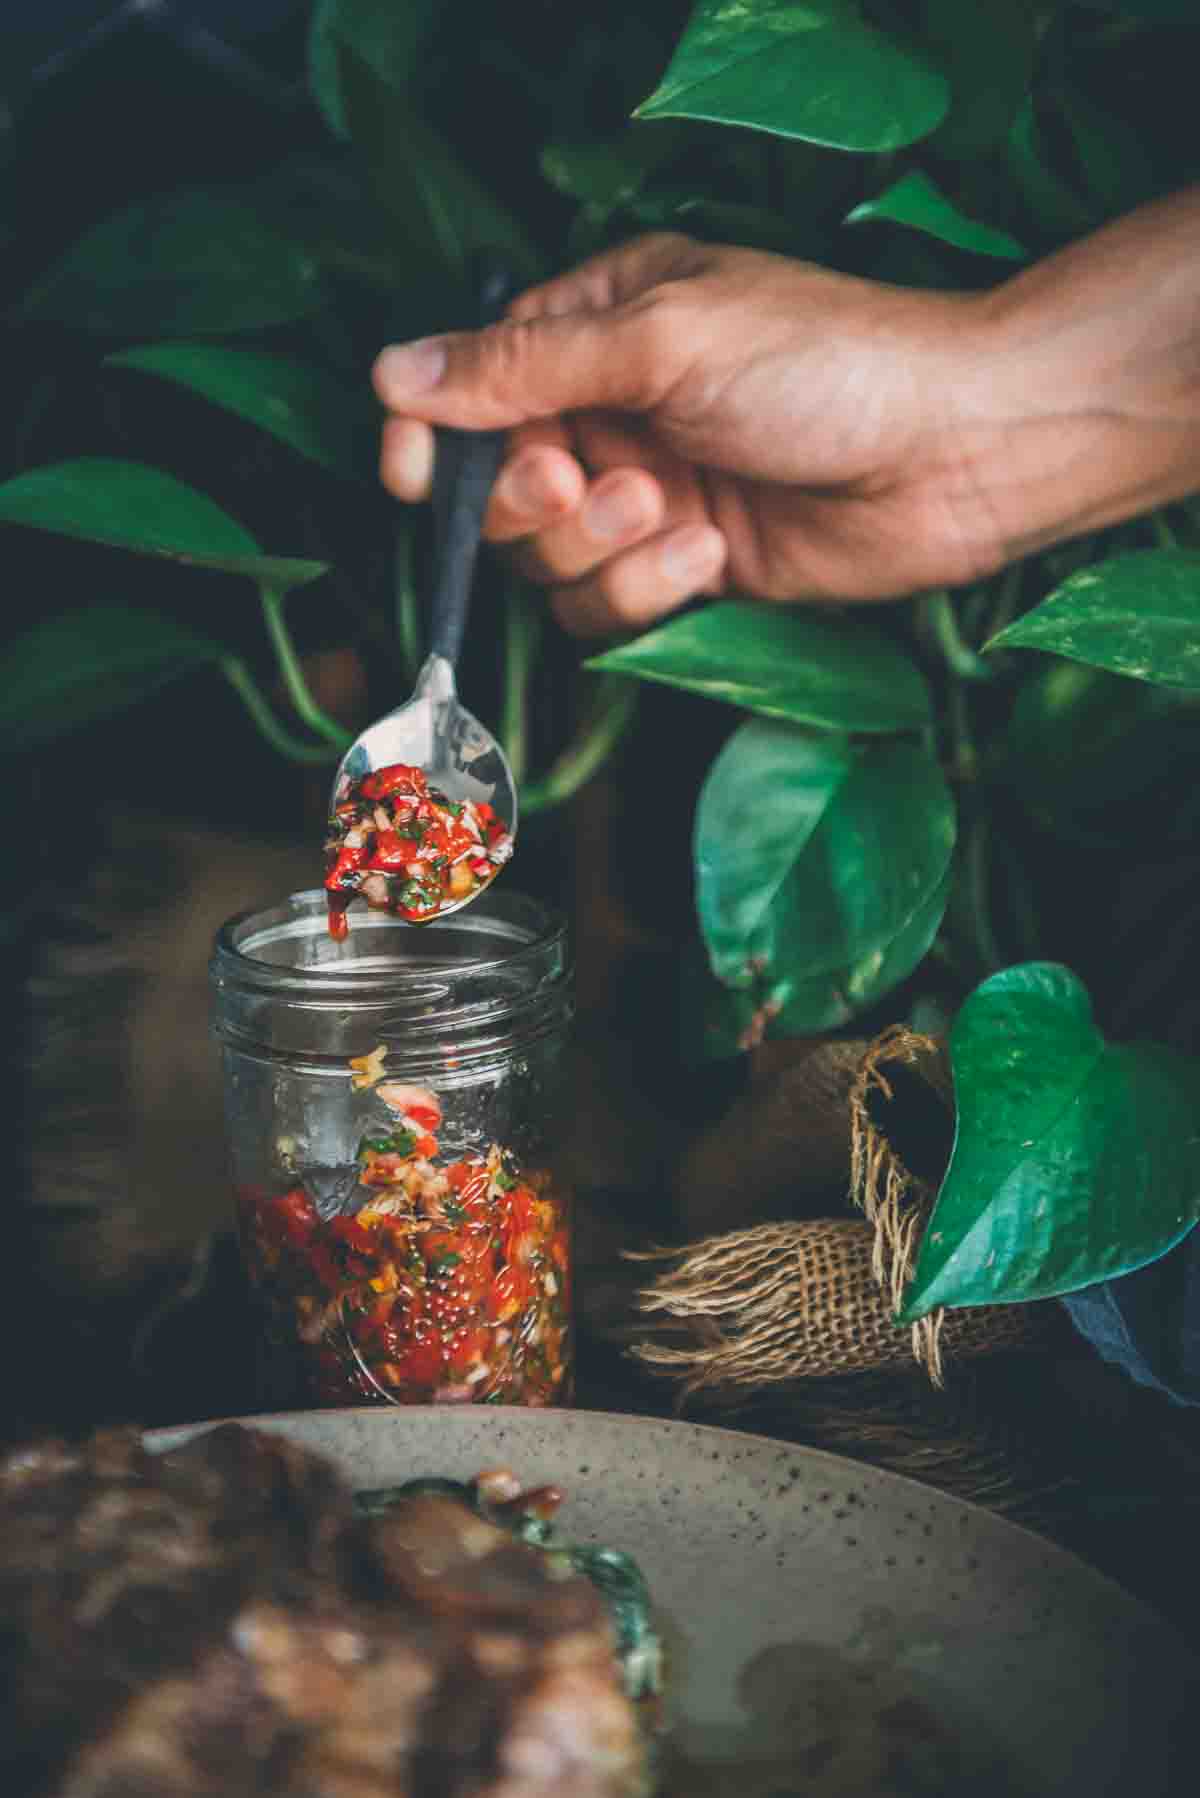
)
(689, 419)
(685, 418)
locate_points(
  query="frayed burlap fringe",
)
(785, 1303)
(781, 1304)
(894, 1201)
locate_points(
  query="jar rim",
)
(514, 929)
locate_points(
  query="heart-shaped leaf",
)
(80, 666)
(1090, 755)
(818, 72)
(785, 662)
(305, 407)
(192, 263)
(1137, 614)
(916, 202)
(822, 868)
(1074, 1159)
(130, 506)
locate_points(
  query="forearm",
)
(1080, 402)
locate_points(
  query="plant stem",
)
(1007, 594)
(522, 633)
(246, 687)
(293, 675)
(408, 622)
(616, 701)
(964, 761)
(942, 620)
(978, 868)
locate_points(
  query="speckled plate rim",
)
(1092, 1686)
(165, 1436)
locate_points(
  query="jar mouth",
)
(288, 948)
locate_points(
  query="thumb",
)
(620, 357)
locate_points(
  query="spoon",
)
(433, 731)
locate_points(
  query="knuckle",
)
(663, 243)
(660, 326)
(504, 353)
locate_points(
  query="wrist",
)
(1075, 399)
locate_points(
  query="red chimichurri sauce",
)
(406, 848)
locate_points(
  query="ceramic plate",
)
(833, 1630)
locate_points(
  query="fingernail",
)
(691, 555)
(526, 487)
(614, 513)
(409, 368)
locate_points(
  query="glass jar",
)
(391, 1103)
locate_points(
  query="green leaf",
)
(614, 170)
(130, 506)
(1075, 1159)
(1182, 10)
(305, 407)
(84, 665)
(915, 201)
(195, 262)
(320, 201)
(1054, 208)
(1137, 614)
(1091, 755)
(822, 869)
(1117, 170)
(439, 211)
(987, 51)
(715, 1022)
(817, 72)
(726, 222)
(388, 38)
(785, 662)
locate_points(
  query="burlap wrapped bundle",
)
(784, 1302)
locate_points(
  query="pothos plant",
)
(908, 790)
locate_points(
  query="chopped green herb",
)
(444, 1264)
(455, 1211)
(401, 1142)
(417, 897)
(413, 829)
(503, 1180)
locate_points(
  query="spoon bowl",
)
(434, 731)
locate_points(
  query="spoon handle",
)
(464, 470)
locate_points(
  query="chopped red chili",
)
(447, 1284)
(406, 848)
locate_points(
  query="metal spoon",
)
(433, 731)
